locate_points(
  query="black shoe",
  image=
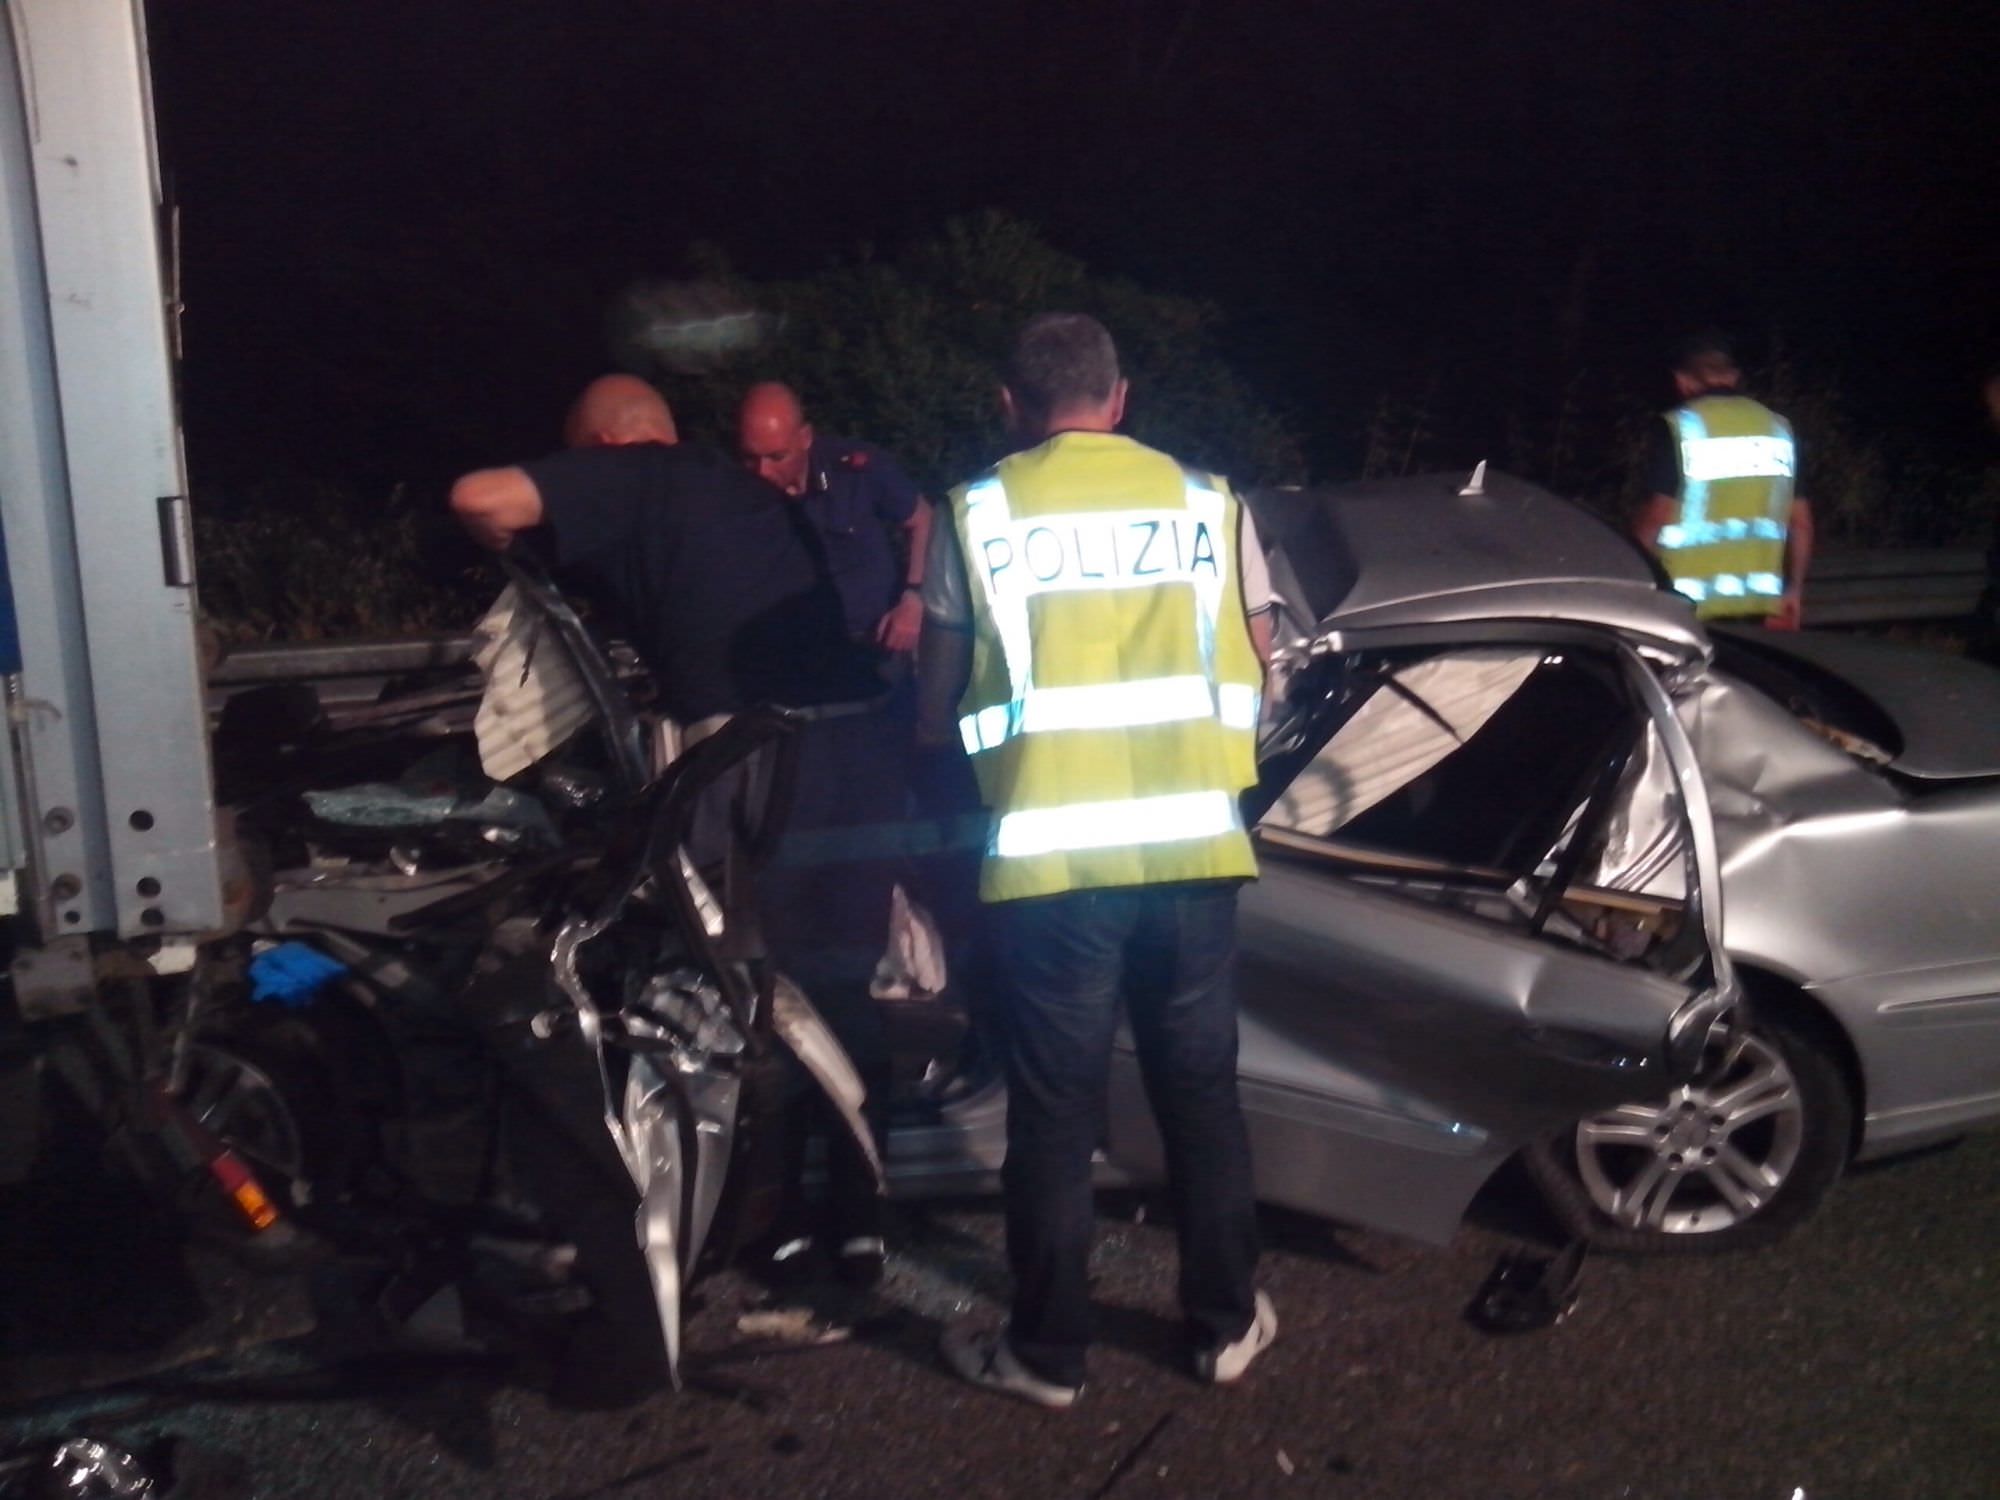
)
(785, 1261)
(860, 1260)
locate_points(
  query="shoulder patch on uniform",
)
(854, 458)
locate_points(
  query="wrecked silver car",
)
(1528, 833)
(1510, 786)
(493, 1039)
(1686, 921)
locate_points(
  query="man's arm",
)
(1260, 635)
(944, 667)
(899, 628)
(918, 531)
(1660, 483)
(495, 505)
(1253, 572)
(944, 650)
(1658, 511)
(1798, 560)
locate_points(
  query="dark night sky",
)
(401, 222)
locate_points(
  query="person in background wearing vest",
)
(1722, 513)
(1087, 638)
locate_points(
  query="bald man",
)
(874, 525)
(716, 577)
(618, 409)
(706, 569)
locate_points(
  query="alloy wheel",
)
(1706, 1158)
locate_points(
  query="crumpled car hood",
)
(1946, 708)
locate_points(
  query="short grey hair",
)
(1061, 361)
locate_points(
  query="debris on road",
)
(791, 1325)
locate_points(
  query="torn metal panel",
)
(651, 1139)
(1946, 708)
(534, 701)
(812, 1042)
(1880, 896)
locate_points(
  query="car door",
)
(1474, 921)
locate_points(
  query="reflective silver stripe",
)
(1730, 586)
(1706, 533)
(1109, 825)
(1116, 705)
(1707, 459)
(1236, 705)
(1694, 492)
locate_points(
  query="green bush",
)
(318, 561)
(906, 352)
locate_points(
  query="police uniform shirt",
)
(856, 497)
(947, 600)
(708, 571)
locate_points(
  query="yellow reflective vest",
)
(1111, 715)
(1726, 550)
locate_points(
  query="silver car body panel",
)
(1346, 991)
(649, 1138)
(1947, 708)
(1875, 896)
(808, 1038)
(1419, 551)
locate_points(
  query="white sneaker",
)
(1226, 1363)
(984, 1358)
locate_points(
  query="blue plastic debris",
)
(291, 974)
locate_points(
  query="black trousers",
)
(1066, 961)
(825, 904)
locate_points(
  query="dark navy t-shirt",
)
(857, 498)
(709, 571)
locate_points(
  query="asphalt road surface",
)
(1858, 1361)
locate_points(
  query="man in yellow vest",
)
(1089, 639)
(1722, 512)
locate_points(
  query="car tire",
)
(268, 1092)
(1735, 1159)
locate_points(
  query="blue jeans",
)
(1067, 961)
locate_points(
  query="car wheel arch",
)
(1766, 988)
(1793, 1033)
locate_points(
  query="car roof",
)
(1429, 549)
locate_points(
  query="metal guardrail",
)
(251, 666)
(1881, 586)
(345, 674)
(350, 678)
(1892, 585)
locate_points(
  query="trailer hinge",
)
(177, 540)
